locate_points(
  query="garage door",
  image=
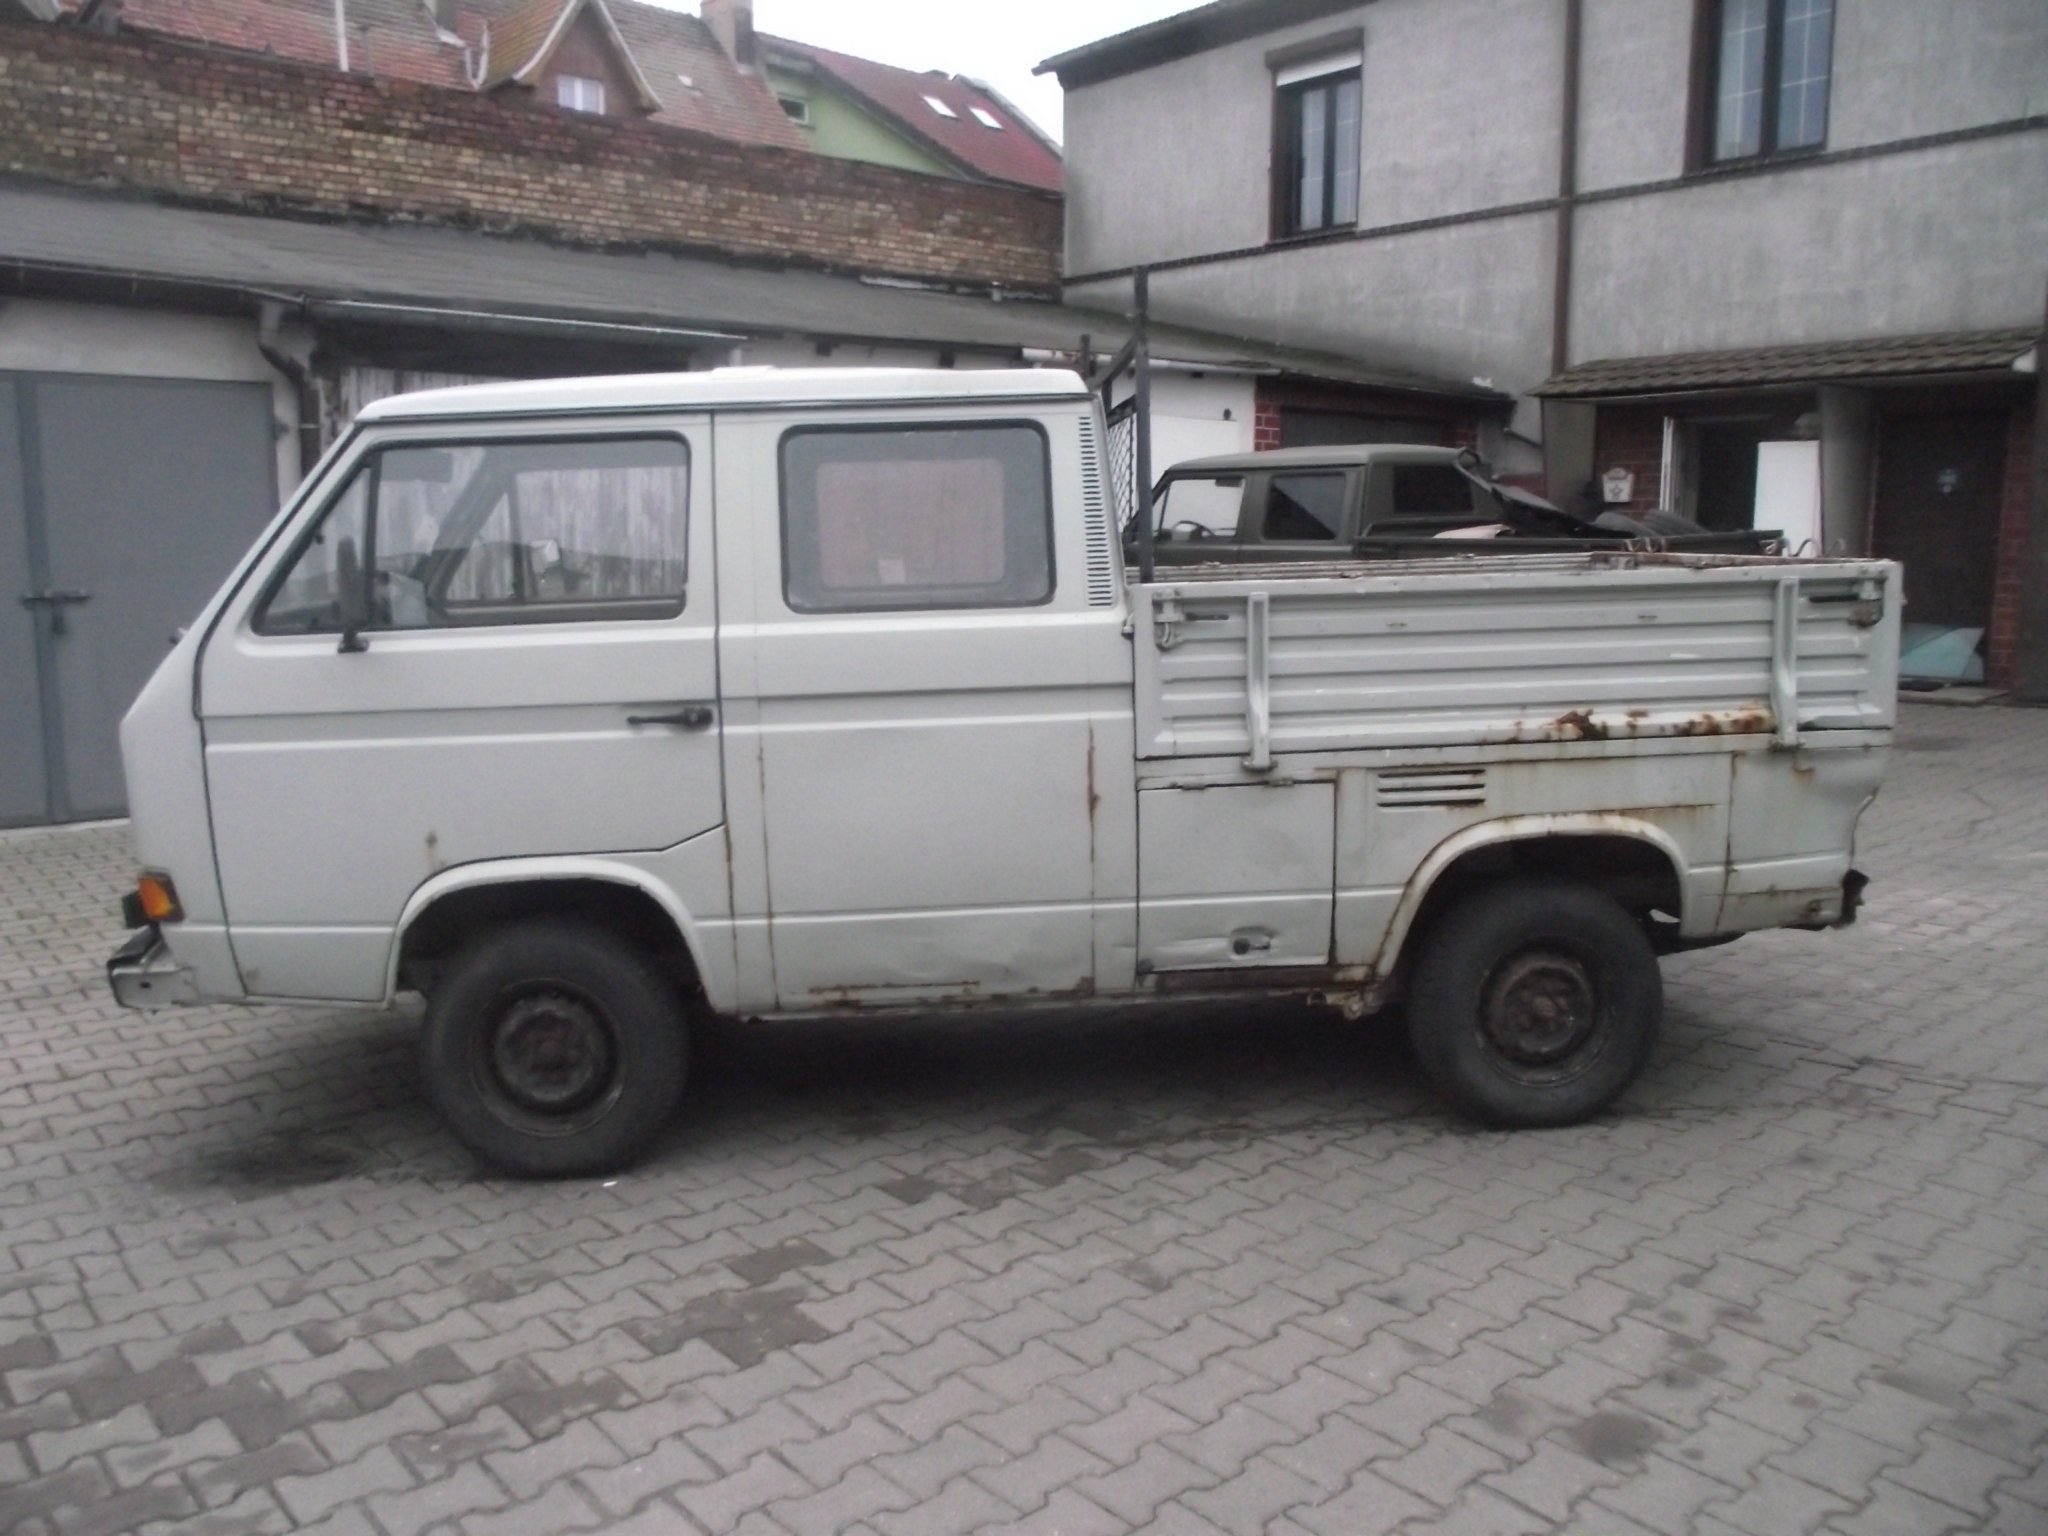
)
(123, 504)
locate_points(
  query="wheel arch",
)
(1629, 856)
(451, 906)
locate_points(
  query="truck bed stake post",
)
(1142, 425)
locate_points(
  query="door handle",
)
(691, 717)
(55, 600)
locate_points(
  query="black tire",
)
(554, 1050)
(1535, 1003)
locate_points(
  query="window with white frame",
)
(1767, 70)
(579, 93)
(1318, 112)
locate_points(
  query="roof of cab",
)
(1334, 456)
(729, 388)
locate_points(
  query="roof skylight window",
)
(940, 107)
(986, 118)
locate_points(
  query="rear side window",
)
(932, 516)
(466, 534)
(1304, 507)
(1430, 490)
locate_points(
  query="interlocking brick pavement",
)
(1228, 1270)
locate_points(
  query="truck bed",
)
(1254, 660)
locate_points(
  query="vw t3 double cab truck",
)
(588, 709)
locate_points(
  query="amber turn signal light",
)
(157, 897)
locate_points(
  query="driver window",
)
(1201, 506)
(499, 533)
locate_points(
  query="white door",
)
(937, 695)
(1788, 493)
(536, 674)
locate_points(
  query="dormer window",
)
(986, 118)
(579, 93)
(940, 107)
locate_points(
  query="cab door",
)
(938, 694)
(535, 672)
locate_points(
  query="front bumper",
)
(143, 974)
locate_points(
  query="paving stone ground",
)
(1226, 1270)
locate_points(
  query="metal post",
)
(2031, 664)
(1141, 424)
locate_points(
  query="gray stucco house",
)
(1774, 263)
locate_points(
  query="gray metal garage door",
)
(123, 503)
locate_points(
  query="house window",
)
(987, 119)
(796, 108)
(579, 93)
(1317, 110)
(940, 107)
(1768, 68)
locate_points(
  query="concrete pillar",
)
(1848, 459)
(1568, 427)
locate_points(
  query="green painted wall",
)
(842, 128)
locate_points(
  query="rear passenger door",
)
(916, 694)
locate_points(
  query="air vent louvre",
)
(1095, 521)
(1417, 788)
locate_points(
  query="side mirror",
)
(348, 569)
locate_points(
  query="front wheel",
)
(554, 1049)
(1535, 1003)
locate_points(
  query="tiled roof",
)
(518, 36)
(697, 84)
(1804, 363)
(1015, 152)
(697, 81)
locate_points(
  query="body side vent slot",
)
(1417, 788)
(1095, 521)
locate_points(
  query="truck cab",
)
(1313, 501)
(584, 709)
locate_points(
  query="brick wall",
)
(1447, 421)
(2014, 515)
(228, 129)
(1265, 421)
(1630, 439)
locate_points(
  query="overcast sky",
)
(991, 41)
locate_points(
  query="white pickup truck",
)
(586, 708)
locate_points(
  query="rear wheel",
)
(554, 1049)
(1535, 1003)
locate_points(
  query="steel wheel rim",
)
(548, 1060)
(1538, 1010)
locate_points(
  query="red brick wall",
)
(2002, 645)
(229, 129)
(1456, 424)
(1631, 439)
(1265, 421)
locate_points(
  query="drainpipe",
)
(341, 33)
(296, 374)
(1567, 188)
